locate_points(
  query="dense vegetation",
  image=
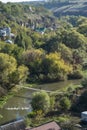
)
(56, 54)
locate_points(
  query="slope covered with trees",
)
(58, 54)
(44, 48)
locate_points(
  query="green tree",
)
(66, 52)
(22, 40)
(84, 82)
(51, 45)
(73, 39)
(32, 59)
(12, 50)
(10, 74)
(81, 105)
(65, 103)
(40, 101)
(8, 65)
(19, 76)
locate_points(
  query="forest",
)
(44, 49)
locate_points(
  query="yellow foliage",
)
(23, 71)
(58, 64)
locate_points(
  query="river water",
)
(18, 106)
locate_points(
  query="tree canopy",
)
(40, 101)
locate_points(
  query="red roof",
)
(49, 126)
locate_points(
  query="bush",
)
(76, 75)
(84, 82)
(63, 119)
(65, 103)
(40, 101)
(32, 114)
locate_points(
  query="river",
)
(19, 105)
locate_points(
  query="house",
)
(40, 30)
(2, 32)
(8, 30)
(20, 125)
(5, 31)
(48, 126)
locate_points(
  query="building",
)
(8, 30)
(84, 116)
(20, 125)
(2, 33)
(9, 41)
(48, 126)
(40, 30)
(5, 31)
(16, 125)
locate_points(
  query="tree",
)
(32, 59)
(8, 65)
(10, 73)
(73, 39)
(66, 52)
(51, 45)
(65, 103)
(32, 55)
(19, 76)
(40, 101)
(79, 55)
(54, 67)
(84, 82)
(22, 40)
(12, 50)
(81, 104)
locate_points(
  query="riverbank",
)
(21, 97)
(61, 113)
(65, 120)
(66, 84)
(12, 92)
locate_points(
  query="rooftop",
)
(48, 126)
(16, 125)
(84, 112)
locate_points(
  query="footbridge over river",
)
(37, 89)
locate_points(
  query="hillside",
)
(68, 7)
(38, 48)
(24, 14)
(63, 7)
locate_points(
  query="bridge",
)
(36, 89)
